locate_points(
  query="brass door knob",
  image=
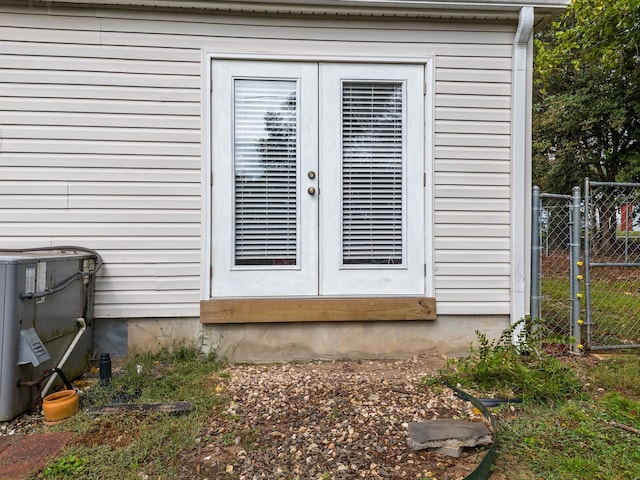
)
(311, 190)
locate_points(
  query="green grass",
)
(556, 298)
(150, 443)
(572, 440)
(620, 373)
(563, 429)
(630, 234)
(615, 309)
(65, 467)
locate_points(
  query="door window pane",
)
(265, 170)
(372, 173)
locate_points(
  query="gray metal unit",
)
(37, 324)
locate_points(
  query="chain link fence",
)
(589, 295)
(554, 261)
(612, 258)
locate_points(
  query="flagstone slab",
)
(448, 435)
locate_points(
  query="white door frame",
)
(208, 57)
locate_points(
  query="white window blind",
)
(265, 166)
(372, 173)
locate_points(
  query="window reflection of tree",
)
(372, 172)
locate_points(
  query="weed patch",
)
(588, 438)
(69, 466)
(501, 369)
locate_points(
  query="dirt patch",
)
(116, 431)
(329, 420)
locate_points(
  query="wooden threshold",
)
(316, 309)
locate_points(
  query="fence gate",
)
(612, 265)
(555, 303)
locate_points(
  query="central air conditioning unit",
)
(46, 304)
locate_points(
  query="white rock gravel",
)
(329, 420)
(26, 423)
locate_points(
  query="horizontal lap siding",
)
(472, 184)
(100, 142)
(101, 147)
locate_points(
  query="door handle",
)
(311, 191)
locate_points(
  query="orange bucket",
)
(60, 405)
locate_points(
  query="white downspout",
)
(521, 105)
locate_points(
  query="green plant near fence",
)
(509, 369)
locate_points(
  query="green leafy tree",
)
(587, 95)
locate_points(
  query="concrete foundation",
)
(146, 335)
(282, 342)
(256, 343)
(110, 335)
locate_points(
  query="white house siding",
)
(101, 115)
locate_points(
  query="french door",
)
(318, 183)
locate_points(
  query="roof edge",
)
(331, 7)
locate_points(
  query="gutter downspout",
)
(521, 106)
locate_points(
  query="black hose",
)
(63, 377)
(65, 283)
(46, 374)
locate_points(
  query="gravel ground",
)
(26, 423)
(329, 420)
(320, 420)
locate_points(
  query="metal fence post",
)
(535, 253)
(574, 243)
(587, 262)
